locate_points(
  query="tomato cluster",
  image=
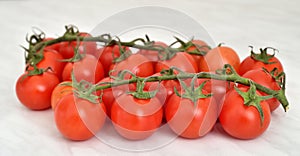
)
(62, 79)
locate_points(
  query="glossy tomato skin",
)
(59, 92)
(66, 49)
(217, 57)
(188, 120)
(110, 94)
(88, 68)
(181, 60)
(241, 121)
(204, 48)
(78, 119)
(52, 60)
(136, 63)
(142, 117)
(249, 64)
(265, 79)
(34, 92)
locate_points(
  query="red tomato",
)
(110, 94)
(88, 69)
(52, 60)
(35, 91)
(216, 59)
(203, 47)
(55, 46)
(188, 120)
(251, 62)
(181, 60)
(152, 55)
(136, 63)
(78, 119)
(67, 48)
(59, 92)
(136, 119)
(241, 121)
(106, 56)
(265, 79)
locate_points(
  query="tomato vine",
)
(37, 44)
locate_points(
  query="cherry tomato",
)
(78, 119)
(107, 54)
(202, 47)
(34, 92)
(241, 121)
(216, 59)
(110, 94)
(136, 119)
(88, 69)
(181, 60)
(52, 60)
(136, 63)
(152, 55)
(253, 62)
(265, 79)
(67, 48)
(59, 92)
(191, 120)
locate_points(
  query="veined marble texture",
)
(237, 23)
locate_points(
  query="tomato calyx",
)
(251, 98)
(37, 71)
(185, 46)
(191, 92)
(198, 48)
(84, 90)
(263, 56)
(140, 93)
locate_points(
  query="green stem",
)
(67, 38)
(232, 78)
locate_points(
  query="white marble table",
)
(273, 23)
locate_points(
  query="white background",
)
(238, 23)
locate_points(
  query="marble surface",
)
(237, 23)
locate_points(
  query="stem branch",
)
(232, 78)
